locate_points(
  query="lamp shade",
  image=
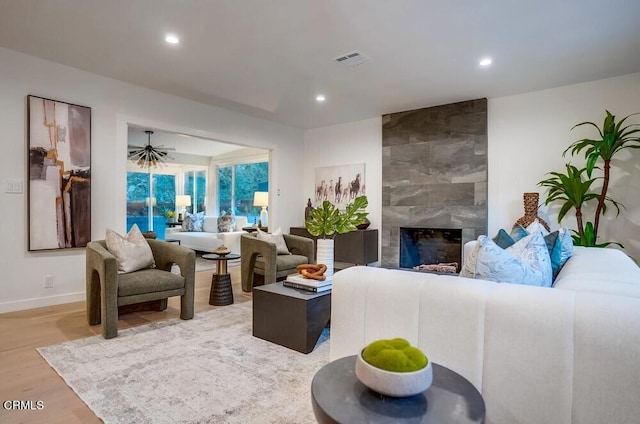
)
(183, 200)
(261, 198)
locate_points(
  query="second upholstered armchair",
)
(260, 258)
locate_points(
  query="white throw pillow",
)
(277, 238)
(537, 226)
(132, 252)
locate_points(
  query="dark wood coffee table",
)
(289, 317)
(339, 397)
(221, 293)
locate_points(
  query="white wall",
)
(114, 105)
(527, 135)
(529, 132)
(354, 142)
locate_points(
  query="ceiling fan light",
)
(148, 156)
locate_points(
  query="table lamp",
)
(182, 201)
(261, 198)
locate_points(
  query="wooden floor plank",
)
(27, 376)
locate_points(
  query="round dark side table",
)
(339, 397)
(221, 292)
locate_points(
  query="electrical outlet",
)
(48, 281)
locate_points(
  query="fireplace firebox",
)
(429, 246)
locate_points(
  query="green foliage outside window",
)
(249, 178)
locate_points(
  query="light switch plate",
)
(13, 186)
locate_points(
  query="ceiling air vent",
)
(352, 59)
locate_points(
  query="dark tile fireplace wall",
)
(434, 172)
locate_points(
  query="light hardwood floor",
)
(24, 375)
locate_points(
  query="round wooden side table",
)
(221, 292)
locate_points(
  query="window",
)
(195, 185)
(149, 196)
(224, 188)
(236, 185)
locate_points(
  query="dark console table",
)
(358, 247)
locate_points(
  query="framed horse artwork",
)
(339, 184)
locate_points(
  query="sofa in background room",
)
(210, 238)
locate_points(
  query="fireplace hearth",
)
(430, 246)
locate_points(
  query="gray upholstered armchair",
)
(106, 289)
(261, 258)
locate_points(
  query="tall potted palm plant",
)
(574, 191)
(326, 221)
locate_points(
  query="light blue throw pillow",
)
(562, 250)
(526, 262)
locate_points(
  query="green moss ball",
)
(395, 355)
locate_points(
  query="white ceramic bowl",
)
(395, 384)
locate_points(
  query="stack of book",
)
(297, 281)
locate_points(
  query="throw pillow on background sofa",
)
(226, 222)
(193, 221)
(559, 242)
(525, 262)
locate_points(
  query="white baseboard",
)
(40, 302)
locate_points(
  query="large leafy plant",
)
(574, 190)
(326, 221)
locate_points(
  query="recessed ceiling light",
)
(486, 61)
(320, 98)
(171, 39)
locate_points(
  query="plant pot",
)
(324, 255)
(395, 384)
(364, 225)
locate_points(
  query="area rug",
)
(206, 370)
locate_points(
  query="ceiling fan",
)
(148, 156)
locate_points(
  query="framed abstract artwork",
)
(59, 187)
(339, 184)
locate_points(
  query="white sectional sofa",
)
(209, 239)
(567, 354)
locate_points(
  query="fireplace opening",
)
(427, 247)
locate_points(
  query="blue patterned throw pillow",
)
(226, 222)
(532, 251)
(193, 221)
